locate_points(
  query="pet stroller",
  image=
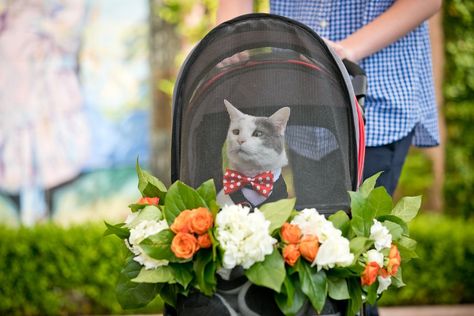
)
(261, 63)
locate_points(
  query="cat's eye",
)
(235, 131)
(257, 133)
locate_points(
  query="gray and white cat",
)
(255, 145)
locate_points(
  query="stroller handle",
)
(359, 80)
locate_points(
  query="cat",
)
(255, 145)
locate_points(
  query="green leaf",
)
(269, 273)
(407, 208)
(362, 214)
(368, 185)
(169, 293)
(337, 288)
(407, 247)
(341, 221)
(135, 207)
(314, 284)
(205, 270)
(395, 230)
(397, 279)
(158, 246)
(118, 230)
(163, 274)
(150, 186)
(131, 294)
(290, 299)
(408, 243)
(149, 212)
(394, 219)
(372, 293)
(181, 197)
(355, 294)
(353, 270)
(277, 212)
(380, 201)
(359, 245)
(207, 191)
(183, 273)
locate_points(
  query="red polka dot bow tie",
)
(235, 181)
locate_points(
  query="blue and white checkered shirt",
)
(400, 94)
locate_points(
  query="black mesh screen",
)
(287, 67)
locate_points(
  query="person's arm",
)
(228, 9)
(401, 18)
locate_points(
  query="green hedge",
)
(48, 270)
(459, 106)
(444, 272)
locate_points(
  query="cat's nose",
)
(240, 141)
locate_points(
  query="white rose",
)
(374, 255)
(380, 235)
(384, 283)
(139, 233)
(312, 223)
(334, 251)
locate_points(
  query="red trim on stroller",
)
(361, 153)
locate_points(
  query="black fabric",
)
(261, 301)
(197, 304)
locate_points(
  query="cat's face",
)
(256, 144)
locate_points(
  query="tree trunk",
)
(164, 47)
(437, 154)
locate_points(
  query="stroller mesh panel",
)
(317, 144)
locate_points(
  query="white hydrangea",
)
(140, 232)
(243, 236)
(381, 236)
(384, 283)
(375, 256)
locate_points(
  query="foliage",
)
(166, 225)
(417, 175)
(443, 273)
(49, 270)
(459, 106)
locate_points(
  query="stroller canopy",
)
(261, 63)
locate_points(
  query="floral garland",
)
(180, 239)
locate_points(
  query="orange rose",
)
(204, 241)
(290, 233)
(200, 221)
(394, 260)
(291, 254)
(181, 222)
(309, 246)
(184, 245)
(384, 273)
(149, 200)
(370, 273)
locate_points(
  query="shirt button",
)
(323, 23)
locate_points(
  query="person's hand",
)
(234, 59)
(342, 51)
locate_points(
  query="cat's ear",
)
(280, 118)
(232, 110)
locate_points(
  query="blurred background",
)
(85, 89)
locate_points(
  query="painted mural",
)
(74, 108)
